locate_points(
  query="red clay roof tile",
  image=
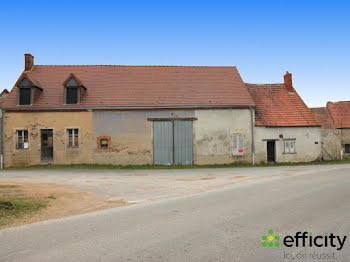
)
(277, 107)
(139, 86)
(340, 112)
(323, 115)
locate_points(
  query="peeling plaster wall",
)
(131, 135)
(331, 144)
(306, 149)
(213, 129)
(58, 121)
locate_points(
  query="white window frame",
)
(288, 149)
(73, 137)
(238, 144)
(24, 144)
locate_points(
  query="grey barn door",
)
(163, 142)
(183, 142)
(173, 142)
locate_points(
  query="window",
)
(72, 95)
(72, 91)
(73, 137)
(289, 146)
(237, 144)
(25, 97)
(347, 148)
(22, 139)
(104, 142)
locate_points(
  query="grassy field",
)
(16, 204)
(108, 166)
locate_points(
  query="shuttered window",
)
(238, 144)
(289, 146)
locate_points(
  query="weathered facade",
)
(164, 115)
(286, 130)
(335, 119)
(126, 115)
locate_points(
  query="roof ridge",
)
(145, 66)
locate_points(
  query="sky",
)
(264, 39)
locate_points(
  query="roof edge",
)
(127, 107)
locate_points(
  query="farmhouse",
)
(164, 115)
(286, 129)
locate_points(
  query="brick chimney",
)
(28, 62)
(288, 82)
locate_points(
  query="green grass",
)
(15, 204)
(108, 166)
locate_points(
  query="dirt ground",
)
(63, 201)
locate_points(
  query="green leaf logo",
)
(270, 240)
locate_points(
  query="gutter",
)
(1, 138)
(128, 107)
(253, 137)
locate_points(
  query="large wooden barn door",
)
(173, 142)
(163, 142)
(183, 142)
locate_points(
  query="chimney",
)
(28, 62)
(288, 82)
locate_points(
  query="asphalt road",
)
(225, 225)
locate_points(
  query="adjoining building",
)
(164, 115)
(335, 119)
(286, 129)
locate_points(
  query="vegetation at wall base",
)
(110, 166)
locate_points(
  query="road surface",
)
(223, 225)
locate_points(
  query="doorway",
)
(46, 144)
(271, 151)
(173, 142)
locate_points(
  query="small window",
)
(72, 95)
(238, 144)
(347, 148)
(289, 146)
(25, 97)
(104, 143)
(73, 137)
(22, 139)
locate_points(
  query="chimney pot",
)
(28, 62)
(288, 82)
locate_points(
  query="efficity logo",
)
(304, 239)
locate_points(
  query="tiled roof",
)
(322, 114)
(277, 107)
(139, 86)
(340, 112)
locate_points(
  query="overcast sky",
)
(310, 39)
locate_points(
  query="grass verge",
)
(109, 166)
(16, 204)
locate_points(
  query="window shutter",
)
(237, 144)
(292, 147)
(286, 146)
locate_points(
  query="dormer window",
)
(28, 90)
(25, 92)
(72, 90)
